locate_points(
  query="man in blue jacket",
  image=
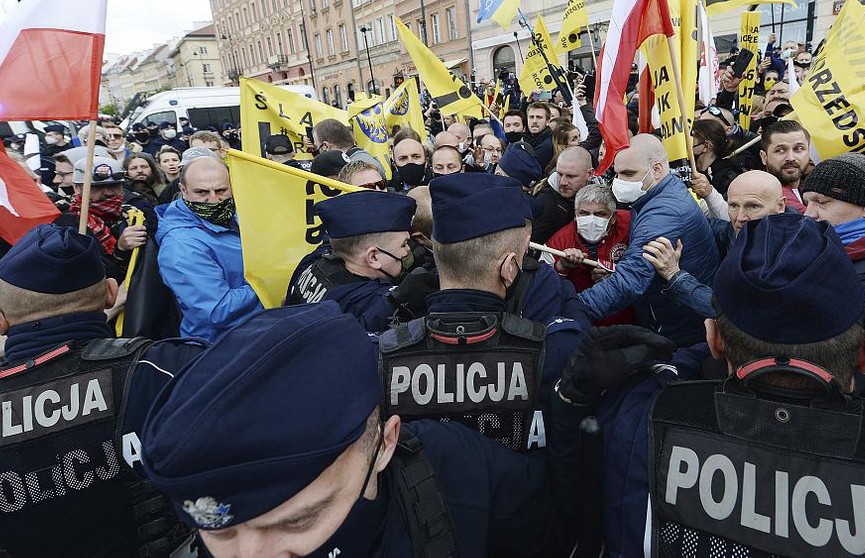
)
(660, 206)
(200, 257)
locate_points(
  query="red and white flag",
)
(51, 60)
(710, 76)
(23, 205)
(631, 23)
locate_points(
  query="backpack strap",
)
(429, 522)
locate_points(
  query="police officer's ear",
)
(510, 269)
(713, 338)
(372, 257)
(4, 323)
(111, 289)
(390, 433)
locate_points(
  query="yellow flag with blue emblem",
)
(500, 11)
(403, 108)
(278, 224)
(366, 116)
(267, 109)
(448, 91)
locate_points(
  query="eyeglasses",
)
(716, 112)
(380, 185)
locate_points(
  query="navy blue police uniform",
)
(255, 400)
(67, 454)
(372, 301)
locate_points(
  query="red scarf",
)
(102, 214)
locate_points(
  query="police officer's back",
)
(67, 487)
(274, 442)
(767, 462)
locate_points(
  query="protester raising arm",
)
(681, 285)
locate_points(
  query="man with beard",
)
(143, 177)
(785, 152)
(556, 197)
(105, 215)
(539, 135)
(199, 252)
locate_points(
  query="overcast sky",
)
(138, 25)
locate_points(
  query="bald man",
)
(447, 138)
(409, 157)
(751, 196)
(199, 252)
(660, 206)
(464, 136)
(556, 196)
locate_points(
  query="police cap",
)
(466, 206)
(51, 259)
(519, 162)
(241, 429)
(788, 280)
(366, 212)
(59, 128)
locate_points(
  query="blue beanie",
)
(788, 280)
(261, 414)
(470, 205)
(51, 259)
(519, 162)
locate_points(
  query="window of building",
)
(325, 4)
(208, 83)
(436, 31)
(206, 68)
(503, 59)
(798, 22)
(337, 95)
(325, 93)
(245, 17)
(279, 48)
(421, 30)
(451, 14)
(269, 45)
(253, 15)
(303, 37)
(317, 40)
(343, 46)
(261, 58)
(312, 5)
(391, 27)
(202, 50)
(290, 35)
(379, 31)
(330, 49)
(263, 9)
(275, 6)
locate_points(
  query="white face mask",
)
(629, 191)
(592, 228)
(50, 140)
(169, 134)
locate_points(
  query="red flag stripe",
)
(23, 205)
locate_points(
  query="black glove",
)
(411, 292)
(605, 357)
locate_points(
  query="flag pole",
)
(680, 94)
(88, 177)
(592, 45)
(556, 78)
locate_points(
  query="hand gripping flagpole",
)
(88, 178)
(566, 90)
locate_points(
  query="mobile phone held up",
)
(742, 60)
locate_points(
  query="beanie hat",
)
(841, 178)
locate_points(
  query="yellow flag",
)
(536, 73)
(278, 225)
(366, 116)
(830, 104)
(717, 7)
(267, 109)
(748, 37)
(657, 52)
(688, 51)
(449, 92)
(403, 108)
(576, 18)
(505, 108)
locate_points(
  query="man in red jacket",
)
(598, 232)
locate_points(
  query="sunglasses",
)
(115, 136)
(716, 112)
(374, 185)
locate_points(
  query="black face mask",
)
(412, 173)
(142, 137)
(220, 213)
(512, 289)
(68, 190)
(513, 137)
(406, 262)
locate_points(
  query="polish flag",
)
(51, 60)
(631, 23)
(23, 205)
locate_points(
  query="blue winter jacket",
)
(202, 264)
(665, 210)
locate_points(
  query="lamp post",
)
(364, 30)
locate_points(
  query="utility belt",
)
(733, 473)
(483, 370)
(316, 280)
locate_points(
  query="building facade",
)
(195, 60)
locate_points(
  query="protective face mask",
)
(220, 213)
(50, 140)
(769, 83)
(142, 136)
(629, 191)
(592, 228)
(513, 137)
(412, 173)
(169, 134)
(406, 263)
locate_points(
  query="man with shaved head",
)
(199, 252)
(446, 138)
(751, 196)
(556, 197)
(660, 206)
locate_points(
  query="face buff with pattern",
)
(220, 213)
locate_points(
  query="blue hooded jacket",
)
(202, 264)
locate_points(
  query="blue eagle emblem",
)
(399, 106)
(371, 123)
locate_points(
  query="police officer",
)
(370, 254)
(737, 467)
(66, 453)
(272, 443)
(470, 360)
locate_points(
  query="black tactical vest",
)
(735, 474)
(63, 488)
(317, 279)
(483, 370)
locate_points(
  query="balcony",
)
(277, 61)
(234, 74)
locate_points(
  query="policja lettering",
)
(466, 383)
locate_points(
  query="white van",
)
(203, 106)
